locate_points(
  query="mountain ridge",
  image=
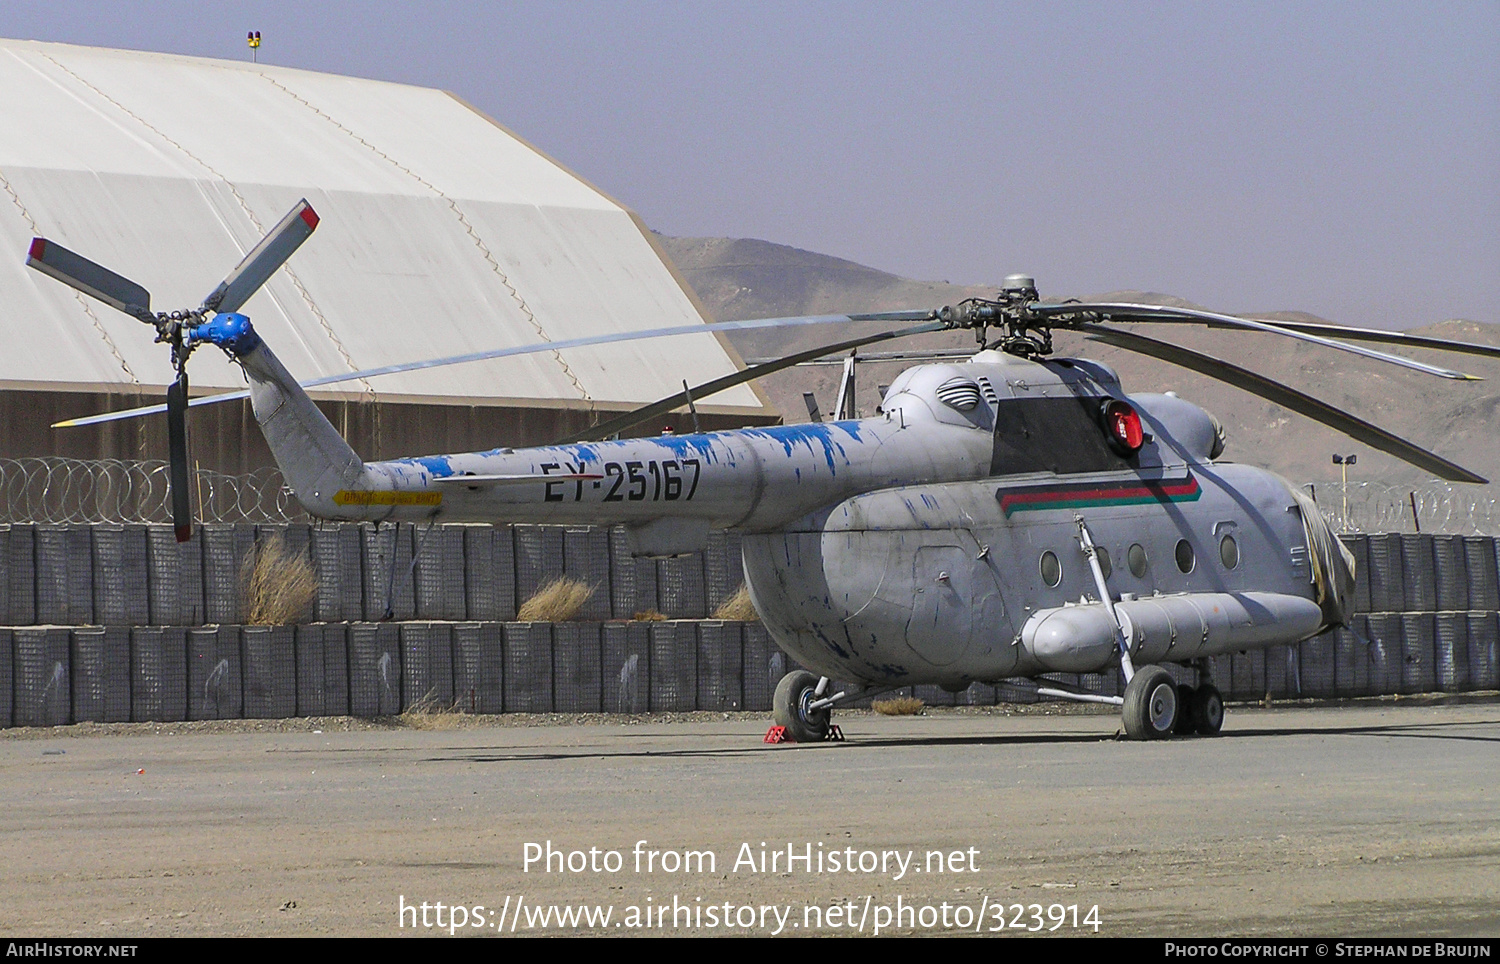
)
(739, 278)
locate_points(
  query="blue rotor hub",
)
(231, 331)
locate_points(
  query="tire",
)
(1207, 710)
(793, 694)
(1187, 723)
(1151, 705)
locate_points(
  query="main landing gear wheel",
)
(1151, 704)
(1206, 709)
(793, 694)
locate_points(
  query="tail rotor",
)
(181, 330)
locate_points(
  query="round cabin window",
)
(1185, 559)
(1105, 566)
(1229, 552)
(1051, 569)
(1137, 559)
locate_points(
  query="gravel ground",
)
(1365, 818)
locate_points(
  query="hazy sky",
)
(1339, 158)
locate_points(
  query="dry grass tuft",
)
(898, 706)
(279, 585)
(556, 602)
(430, 713)
(738, 607)
(649, 616)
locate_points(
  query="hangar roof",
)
(442, 233)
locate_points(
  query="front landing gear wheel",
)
(793, 694)
(1207, 710)
(1151, 705)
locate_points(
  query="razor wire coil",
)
(1433, 507)
(65, 491)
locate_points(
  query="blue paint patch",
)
(685, 446)
(438, 466)
(813, 436)
(587, 453)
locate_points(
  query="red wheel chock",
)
(778, 734)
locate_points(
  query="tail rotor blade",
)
(94, 280)
(182, 504)
(264, 259)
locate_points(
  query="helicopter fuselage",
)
(937, 542)
(958, 582)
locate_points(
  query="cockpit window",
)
(1062, 435)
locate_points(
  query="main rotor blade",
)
(619, 424)
(1388, 338)
(1320, 411)
(182, 504)
(584, 342)
(97, 281)
(263, 260)
(1129, 312)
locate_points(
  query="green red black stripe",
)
(1083, 495)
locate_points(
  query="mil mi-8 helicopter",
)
(1002, 517)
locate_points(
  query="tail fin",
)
(314, 458)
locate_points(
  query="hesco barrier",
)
(139, 575)
(1430, 626)
(70, 675)
(60, 675)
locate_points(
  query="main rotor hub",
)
(1025, 335)
(1021, 285)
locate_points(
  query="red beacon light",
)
(1122, 426)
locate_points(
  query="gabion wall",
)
(169, 647)
(139, 575)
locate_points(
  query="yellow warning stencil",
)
(386, 497)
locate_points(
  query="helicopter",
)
(1006, 516)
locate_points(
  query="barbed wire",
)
(1435, 507)
(56, 491)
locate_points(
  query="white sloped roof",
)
(441, 233)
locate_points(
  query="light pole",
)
(1343, 462)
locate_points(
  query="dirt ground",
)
(1370, 818)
